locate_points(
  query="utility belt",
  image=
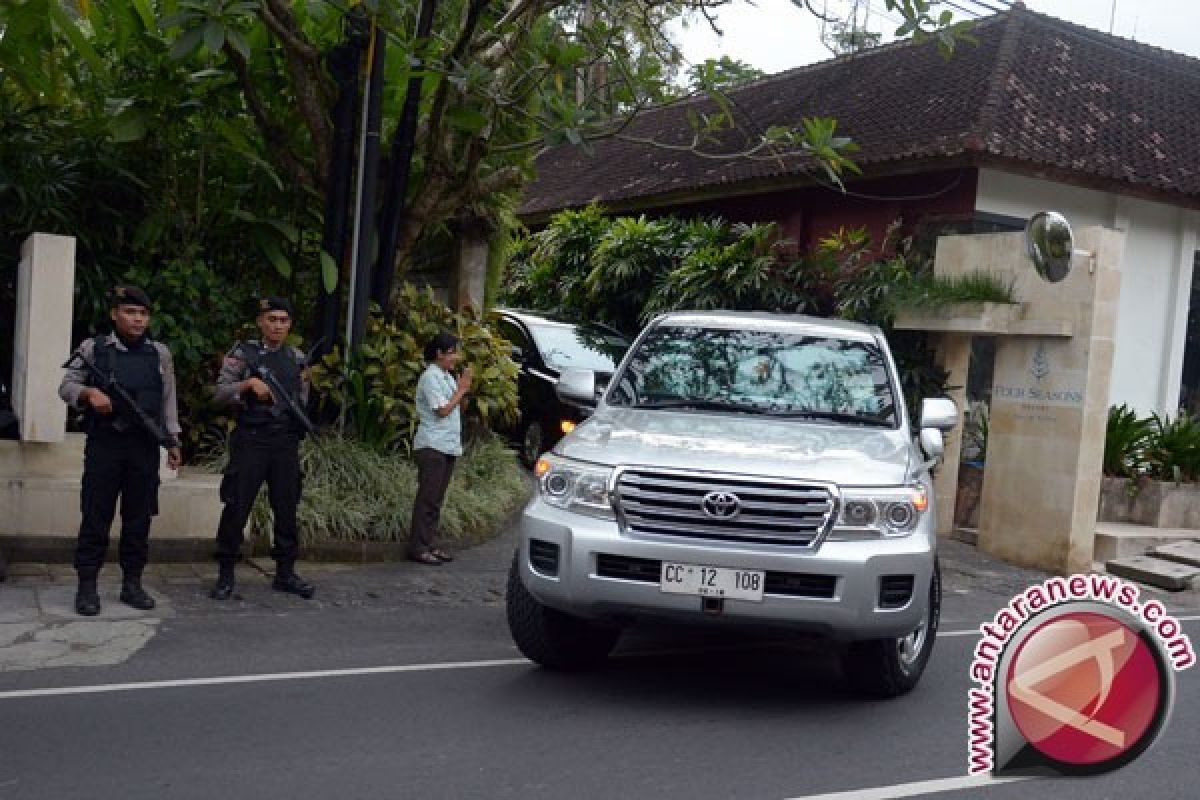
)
(262, 425)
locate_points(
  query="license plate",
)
(694, 579)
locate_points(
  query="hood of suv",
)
(849, 455)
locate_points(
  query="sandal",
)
(426, 558)
(441, 554)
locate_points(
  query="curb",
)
(60, 549)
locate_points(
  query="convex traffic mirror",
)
(1049, 243)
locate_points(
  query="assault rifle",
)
(124, 406)
(267, 375)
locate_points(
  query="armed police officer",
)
(267, 383)
(124, 383)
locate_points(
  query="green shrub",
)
(1127, 440)
(372, 392)
(1174, 448)
(353, 493)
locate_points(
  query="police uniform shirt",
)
(444, 434)
(76, 379)
(234, 370)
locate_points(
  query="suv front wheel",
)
(891, 667)
(551, 638)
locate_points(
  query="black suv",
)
(544, 347)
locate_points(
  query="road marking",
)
(919, 788)
(263, 678)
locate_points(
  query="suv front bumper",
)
(836, 590)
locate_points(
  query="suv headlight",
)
(870, 513)
(575, 486)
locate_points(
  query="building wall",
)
(1156, 276)
(806, 215)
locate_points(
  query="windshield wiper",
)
(835, 416)
(702, 405)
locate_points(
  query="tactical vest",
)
(138, 370)
(285, 363)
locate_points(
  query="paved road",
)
(412, 689)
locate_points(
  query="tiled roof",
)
(1035, 90)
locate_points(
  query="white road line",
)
(263, 678)
(915, 789)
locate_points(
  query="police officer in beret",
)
(264, 447)
(121, 457)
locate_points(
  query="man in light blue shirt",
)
(438, 442)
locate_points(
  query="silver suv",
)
(741, 469)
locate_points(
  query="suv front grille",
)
(648, 570)
(690, 504)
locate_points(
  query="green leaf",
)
(186, 43)
(289, 231)
(79, 42)
(275, 256)
(238, 42)
(467, 120)
(329, 272)
(129, 126)
(214, 36)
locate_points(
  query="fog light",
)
(566, 426)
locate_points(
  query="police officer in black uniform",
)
(121, 457)
(264, 447)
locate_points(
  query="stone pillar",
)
(470, 278)
(1049, 410)
(45, 300)
(954, 356)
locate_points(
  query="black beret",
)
(266, 304)
(128, 296)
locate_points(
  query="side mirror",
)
(1049, 244)
(938, 413)
(516, 354)
(932, 444)
(577, 386)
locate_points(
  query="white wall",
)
(1156, 276)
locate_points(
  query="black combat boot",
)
(286, 580)
(87, 600)
(132, 593)
(223, 588)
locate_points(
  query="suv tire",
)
(551, 638)
(891, 667)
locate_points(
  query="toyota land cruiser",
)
(740, 469)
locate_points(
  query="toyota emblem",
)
(721, 505)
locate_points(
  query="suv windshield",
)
(761, 372)
(579, 347)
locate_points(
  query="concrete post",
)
(954, 356)
(45, 300)
(470, 278)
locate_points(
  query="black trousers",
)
(258, 455)
(434, 469)
(117, 465)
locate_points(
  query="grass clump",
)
(931, 292)
(353, 493)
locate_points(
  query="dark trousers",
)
(434, 469)
(117, 465)
(257, 455)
